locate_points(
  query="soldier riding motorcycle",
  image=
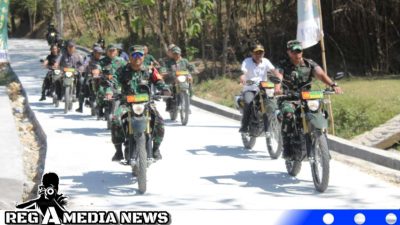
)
(304, 115)
(136, 122)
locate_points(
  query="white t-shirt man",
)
(255, 72)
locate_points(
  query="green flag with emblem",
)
(3, 29)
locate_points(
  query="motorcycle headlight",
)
(68, 74)
(138, 109)
(182, 79)
(57, 72)
(270, 92)
(52, 34)
(313, 105)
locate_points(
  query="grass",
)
(220, 90)
(365, 104)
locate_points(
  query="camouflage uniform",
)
(172, 66)
(129, 81)
(182, 64)
(296, 76)
(109, 66)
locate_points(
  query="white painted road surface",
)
(204, 165)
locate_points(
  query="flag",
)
(3, 30)
(309, 30)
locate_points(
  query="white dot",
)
(391, 218)
(328, 218)
(359, 218)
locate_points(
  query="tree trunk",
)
(226, 38)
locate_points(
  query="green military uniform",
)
(109, 66)
(129, 81)
(148, 59)
(295, 76)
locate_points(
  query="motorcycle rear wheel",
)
(248, 141)
(293, 167)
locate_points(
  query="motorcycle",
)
(93, 82)
(109, 104)
(69, 87)
(138, 133)
(52, 38)
(55, 77)
(263, 118)
(181, 99)
(304, 131)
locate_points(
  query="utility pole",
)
(59, 16)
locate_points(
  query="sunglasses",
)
(137, 55)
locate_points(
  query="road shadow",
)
(232, 151)
(178, 124)
(102, 184)
(88, 131)
(272, 183)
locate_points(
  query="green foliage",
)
(200, 14)
(365, 104)
(137, 23)
(191, 52)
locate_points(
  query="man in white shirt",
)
(255, 68)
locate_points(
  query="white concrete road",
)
(204, 165)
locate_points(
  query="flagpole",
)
(325, 66)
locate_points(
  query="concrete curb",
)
(378, 156)
(12, 176)
(27, 188)
(216, 108)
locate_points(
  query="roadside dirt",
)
(34, 148)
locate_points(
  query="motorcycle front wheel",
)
(67, 98)
(184, 108)
(141, 163)
(320, 164)
(274, 137)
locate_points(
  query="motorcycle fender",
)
(317, 120)
(270, 105)
(139, 124)
(67, 82)
(184, 86)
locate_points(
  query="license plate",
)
(308, 95)
(266, 84)
(69, 70)
(137, 98)
(182, 72)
